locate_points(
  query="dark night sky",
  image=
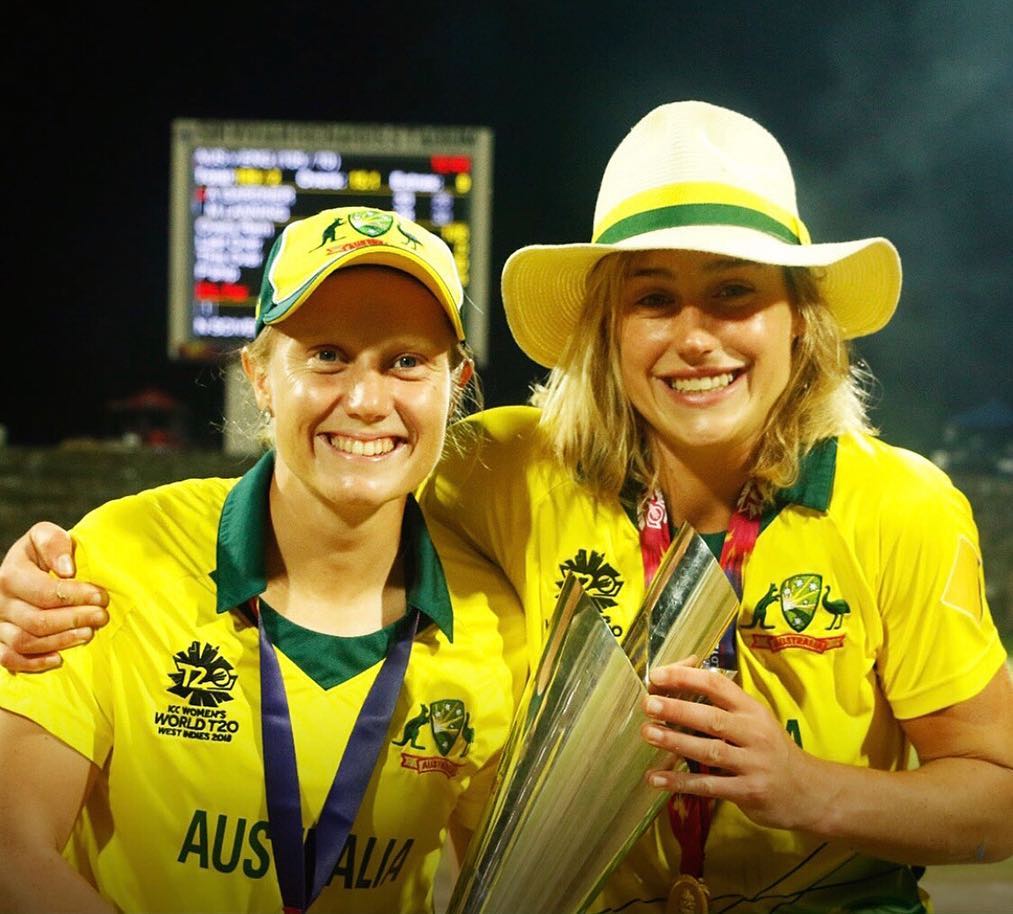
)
(896, 116)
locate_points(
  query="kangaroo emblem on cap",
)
(330, 233)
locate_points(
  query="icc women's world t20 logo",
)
(203, 677)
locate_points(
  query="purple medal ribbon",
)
(293, 864)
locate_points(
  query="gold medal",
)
(688, 896)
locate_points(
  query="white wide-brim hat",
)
(696, 177)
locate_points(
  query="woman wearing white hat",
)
(700, 375)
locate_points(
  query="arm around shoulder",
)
(485, 485)
(41, 615)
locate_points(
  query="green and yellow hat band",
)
(698, 203)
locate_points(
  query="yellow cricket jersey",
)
(166, 703)
(863, 604)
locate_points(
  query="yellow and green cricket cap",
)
(310, 249)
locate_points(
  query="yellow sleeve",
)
(940, 644)
(482, 488)
(486, 490)
(498, 638)
(73, 702)
(115, 546)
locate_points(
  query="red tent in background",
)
(152, 416)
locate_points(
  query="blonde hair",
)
(594, 430)
(261, 431)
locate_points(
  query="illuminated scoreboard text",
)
(236, 197)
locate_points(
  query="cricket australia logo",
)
(599, 580)
(371, 222)
(448, 721)
(800, 597)
(203, 677)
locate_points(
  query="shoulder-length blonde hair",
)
(596, 433)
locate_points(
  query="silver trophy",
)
(570, 797)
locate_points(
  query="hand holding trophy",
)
(570, 796)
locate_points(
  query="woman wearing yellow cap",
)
(700, 374)
(302, 686)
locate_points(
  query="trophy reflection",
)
(570, 798)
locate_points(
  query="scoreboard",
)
(236, 184)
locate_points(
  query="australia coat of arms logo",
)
(448, 732)
(800, 596)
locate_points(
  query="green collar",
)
(242, 528)
(813, 488)
(242, 533)
(815, 482)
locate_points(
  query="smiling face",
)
(359, 382)
(704, 350)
